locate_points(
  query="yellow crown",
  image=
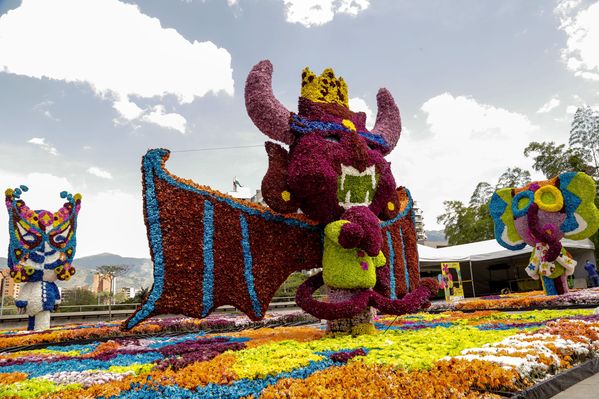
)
(325, 88)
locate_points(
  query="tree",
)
(140, 295)
(466, 224)
(79, 296)
(111, 272)
(481, 195)
(552, 159)
(289, 287)
(584, 135)
(513, 177)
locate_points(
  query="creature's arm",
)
(380, 260)
(363, 230)
(333, 231)
(565, 259)
(21, 304)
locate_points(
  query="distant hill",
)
(435, 235)
(139, 273)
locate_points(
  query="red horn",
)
(267, 113)
(388, 121)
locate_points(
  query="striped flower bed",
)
(448, 355)
(526, 300)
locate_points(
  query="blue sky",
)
(86, 87)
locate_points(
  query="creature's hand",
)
(21, 310)
(56, 306)
(21, 273)
(351, 235)
(371, 240)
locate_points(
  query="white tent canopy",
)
(483, 250)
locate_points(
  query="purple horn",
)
(388, 121)
(267, 113)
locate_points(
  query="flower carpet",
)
(524, 300)
(483, 354)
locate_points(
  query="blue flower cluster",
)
(237, 389)
(303, 125)
(39, 369)
(247, 266)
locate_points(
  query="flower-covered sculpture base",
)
(361, 323)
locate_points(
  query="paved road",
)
(586, 389)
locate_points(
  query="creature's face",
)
(331, 171)
(545, 212)
(334, 163)
(42, 243)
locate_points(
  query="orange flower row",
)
(11, 378)
(450, 379)
(267, 335)
(216, 371)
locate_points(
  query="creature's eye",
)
(549, 199)
(522, 202)
(59, 238)
(372, 146)
(333, 138)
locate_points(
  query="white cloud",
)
(549, 106)
(467, 142)
(571, 109)
(101, 173)
(113, 47)
(44, 190)
(319, 12)
(41, 142)
(172, 121)
(357, 104)
(112, 221)
(582, 28)
(127, 109)
(109, 221)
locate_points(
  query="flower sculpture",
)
(540, 214)
(210, 249)
(41, 251)
(336, 174)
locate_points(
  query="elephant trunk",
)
(547, 234)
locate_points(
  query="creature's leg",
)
(548, 286)
(561, 284)
(31, 323)
(42, 320)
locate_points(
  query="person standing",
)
(592, 272)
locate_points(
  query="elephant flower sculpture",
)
(210, 249)
(41, 251)
(540, 214)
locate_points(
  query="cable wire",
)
(220, 148)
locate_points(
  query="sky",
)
(87, 87)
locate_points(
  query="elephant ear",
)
(582, 216)
(500, 208)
